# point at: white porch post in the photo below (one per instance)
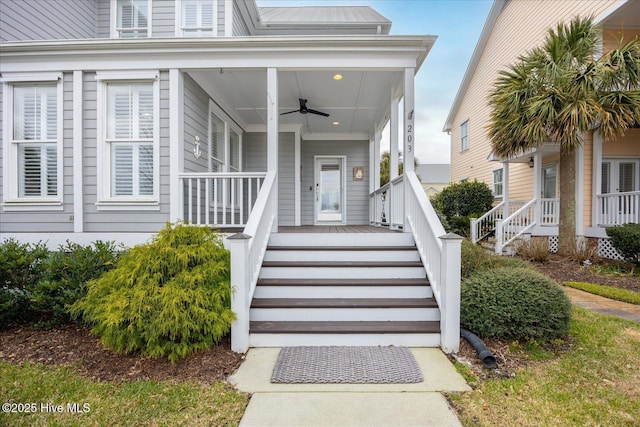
(505, 189)
(393, 139)
(450, 292)
(239, 248)
(597, 178)
(176, 138)
(272, 130)
(537, 186)
(408, 138)
(377, 136)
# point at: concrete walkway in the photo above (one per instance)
(603, 305)
(420, 404)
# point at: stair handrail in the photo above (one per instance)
(481, 224)
(247, 253)
(521, 220)
(440, 255)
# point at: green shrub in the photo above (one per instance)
(533, 249)
(476, 259)
(508, 303)
(626, 239)
(21, 267)
(64, 277)
(169, 297)
(461, 201)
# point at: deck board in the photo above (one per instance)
(343, 327)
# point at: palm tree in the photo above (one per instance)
(559, 93)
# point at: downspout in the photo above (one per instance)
(484, 354)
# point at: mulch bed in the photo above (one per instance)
(73, 345)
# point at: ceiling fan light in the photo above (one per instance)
(336, 123)
(337, 77)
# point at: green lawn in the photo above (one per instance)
(139, 403)
(597, 383)
(618, 294)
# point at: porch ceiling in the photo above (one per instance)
(358, 101)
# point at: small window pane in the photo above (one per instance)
(217, 141)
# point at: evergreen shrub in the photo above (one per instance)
(476, 259)
(626, 239)
(518, 303)
(460, 201)
(169, 297)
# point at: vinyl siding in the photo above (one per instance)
(512, 35)
(357, 154)
(51, 221)
(196, 123)
(104, 18)
(163, 15)
(239, 26)
(255, 160)
(220, 18)
(1, 147)
(47, 19)
(130, 220)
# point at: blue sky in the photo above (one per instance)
(458, 24)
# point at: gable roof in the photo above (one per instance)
(496, 9)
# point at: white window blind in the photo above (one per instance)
(35, 133)
(132, 20)
(130, 139)
(198, 17)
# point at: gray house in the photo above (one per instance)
(119, 116)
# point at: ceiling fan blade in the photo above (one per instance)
(290, 112)
(319, 113)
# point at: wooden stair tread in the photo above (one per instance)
(390, 327)
(343, 282)
(368, 264)
(343, 303)
(341, 248)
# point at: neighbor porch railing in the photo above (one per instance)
(549, 212)
(440, 254)
(220, 199)
(386, 204)
(515, 225)
(247, 253)
(486, 224)
(618, 208)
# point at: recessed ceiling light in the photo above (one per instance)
(337, 77)
(336, 123)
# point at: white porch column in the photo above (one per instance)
(377, 136)
(409, 131)
(537, 186)
(393, 139)
(272, 130)
(505, 189)
(597, 177)
(78, 172)
(176, 140)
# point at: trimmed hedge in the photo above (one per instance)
(626, 239)
(168, 297)
(476, 259)
(518, 303)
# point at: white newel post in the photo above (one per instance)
(498, 246)
(474, 230)
(450, 292)
(272, 130)
(408, 133)
(239, 248)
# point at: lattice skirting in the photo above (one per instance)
(553, 244)
(606, 250)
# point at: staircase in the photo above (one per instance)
(343, 289)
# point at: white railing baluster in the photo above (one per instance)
(207, 206)
(190, 217)
(618, 208)
(515, 225)
(198, 201)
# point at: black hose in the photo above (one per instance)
(484, 354)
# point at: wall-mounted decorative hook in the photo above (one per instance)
(196, 149)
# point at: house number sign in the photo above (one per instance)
(409, 134)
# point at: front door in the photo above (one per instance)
(329, 186)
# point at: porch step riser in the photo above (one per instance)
(341, 239)
(345, 314)
(342, 272)
(291, 340)
(342, 256)
(343, 292)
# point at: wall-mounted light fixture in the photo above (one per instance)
(531, 162)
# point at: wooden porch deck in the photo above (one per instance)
(335, 229)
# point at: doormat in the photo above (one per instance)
(346, 365)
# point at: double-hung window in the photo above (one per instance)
(131, 18)
(464, 136)
(498, 180)
(33, 143)
(217, 144)
(198, 18)
(128, 157)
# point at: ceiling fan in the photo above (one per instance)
(304, 110)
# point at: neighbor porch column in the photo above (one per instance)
(537, 187)
(597, 178)
(377, 136)
(505, 189)
(176, 144)
(272, 130)
(408, 151)
(393, 139)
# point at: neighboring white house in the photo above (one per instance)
(119, 116)
(434, 177)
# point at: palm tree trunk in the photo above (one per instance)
(567, 220)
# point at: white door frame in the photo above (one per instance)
(342, 161)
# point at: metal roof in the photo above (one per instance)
(318, 15)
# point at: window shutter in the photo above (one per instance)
(126, 16)
(145, 112)
(51, 169)
(627, 176)
(119, 113)
(190, 14)
(122, 170)
(606, 178)
(207, 14)
(145, 168)
(31, 173)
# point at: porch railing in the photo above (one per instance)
(515, 225)
(549, 212)
(618, 208)
(386, 204)
(220, 199)
(440, 254)
(486, 224)
(247, 253)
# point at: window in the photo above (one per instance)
(620, 175)
(198, 18)
(234, 152)
(464, 136)
(498, 175)
(33, 142)
(132, 18)
(217, 143)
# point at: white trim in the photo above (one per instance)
(6, 136)
(228, 18)
(54, 240)
(127, 206)
(128, 75)
(579, 213)
(21, 206)
(176, 145)
(343, 187)
(599, 232)
(78, 130)
(30, 77)
(322, 136)
(297, 179)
